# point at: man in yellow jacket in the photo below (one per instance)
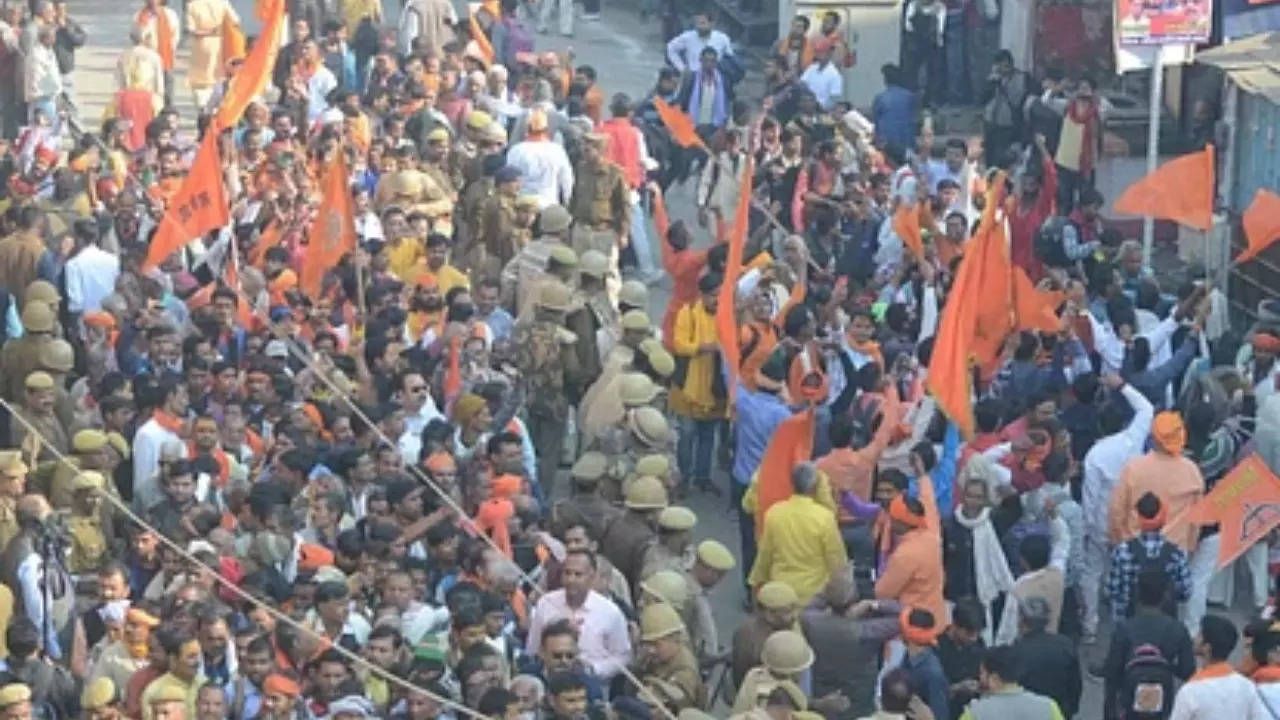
(699, 396)
(800, 544)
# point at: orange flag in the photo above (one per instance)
(269, 238)
(1033, 308)
(332, 233)
(253, 75)
(906, 225)
(477, 33)
(199, 205)
(244, 311)
(1261, 224)
(679, 124)
(949, 378)
(791, 444)
(164, 35)
(1246, 503)
(1180, 190)
(726, 315)
(233, 42)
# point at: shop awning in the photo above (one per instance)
(1253, 63)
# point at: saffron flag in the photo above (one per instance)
(906, 225)
(198, 206)
(1261, 224)
(1033, 308)
(477, 33)
(1180, 190)
(332, 233)
(969, 304)
(164, 33)
(267, 239)
(233, 42)
(231, 274)
(726, 315)
(791, 444)
(253, 75)
(1245, 504)
(679, 124)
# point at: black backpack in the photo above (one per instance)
(1157, 563)
(1146, 689)
(1048, 243)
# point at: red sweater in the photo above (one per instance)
(623, 149)
(1025, 221)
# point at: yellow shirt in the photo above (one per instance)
(403, 259)
(800, 546)
(451, 277)
(353, 11)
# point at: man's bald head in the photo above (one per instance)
(32, 508)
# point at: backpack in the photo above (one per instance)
(1048, 243)
(1146, 688)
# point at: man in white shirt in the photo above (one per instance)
(684, 49)
(419, 410)
(1102, 465)
(162, 428)
(43, 79)
(1217, 690)
(823, 78)
(602, 630)
(543, 165)
(91, 273)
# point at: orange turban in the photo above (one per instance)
(492, 518)
(898, 510)
(504, 486)
(312, 557)
(277, 684)
(1266, 342)
(1169, 433)
(141, 617)
(104, 320)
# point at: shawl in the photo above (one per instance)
(719, 105)
(990, 568)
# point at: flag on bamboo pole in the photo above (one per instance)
(1261, 224)
(726, 315)
(198, 206)
(906, 225)
(254, 74)
(1180, 190)
(332, 233)
(1033, 308)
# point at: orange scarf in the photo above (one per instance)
(1209, 672)
(870, 349)
(220, 457)
(164, 35)
(492, 518)
(168, 421)
(1266, 674)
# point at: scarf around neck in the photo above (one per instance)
(990, 568)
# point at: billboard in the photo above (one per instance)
(1161, 22)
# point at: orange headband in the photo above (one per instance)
(899, 511)
(1168, 432)
(312, 557)
(141, 617)
(277, 684)
(911, 633)
(441, 462)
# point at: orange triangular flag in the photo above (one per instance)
(267, 239)
(199, 206)
(1033, 308)
(679, 124)
(332, 233)
(726, 315)
(1261, 224)
(791, 444)
(1180, 190)
(252, 77)
(906, 225)
(1246, 503)
(949, 377)
(233, 41)
(477, 32)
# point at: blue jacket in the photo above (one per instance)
(894, 113)
(759, 414)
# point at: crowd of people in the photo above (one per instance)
(446, 472)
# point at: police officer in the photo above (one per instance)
(525, 271)
(597, 322)
(667, 657)
(494, 242)
(608, 413)
(601, 204)
(629, 535)
(19, 357)
(651, 435)
(549, 368)
(585, 506)
(672, 549)
(785, 656)
(89, 547)
(98, 701)
(88, 452)
(13, 485)
(441, 195)
(712, 561)
(58, 358)
(37, 409)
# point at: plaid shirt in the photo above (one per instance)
(1123, 576)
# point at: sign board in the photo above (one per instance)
(1162, 22)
